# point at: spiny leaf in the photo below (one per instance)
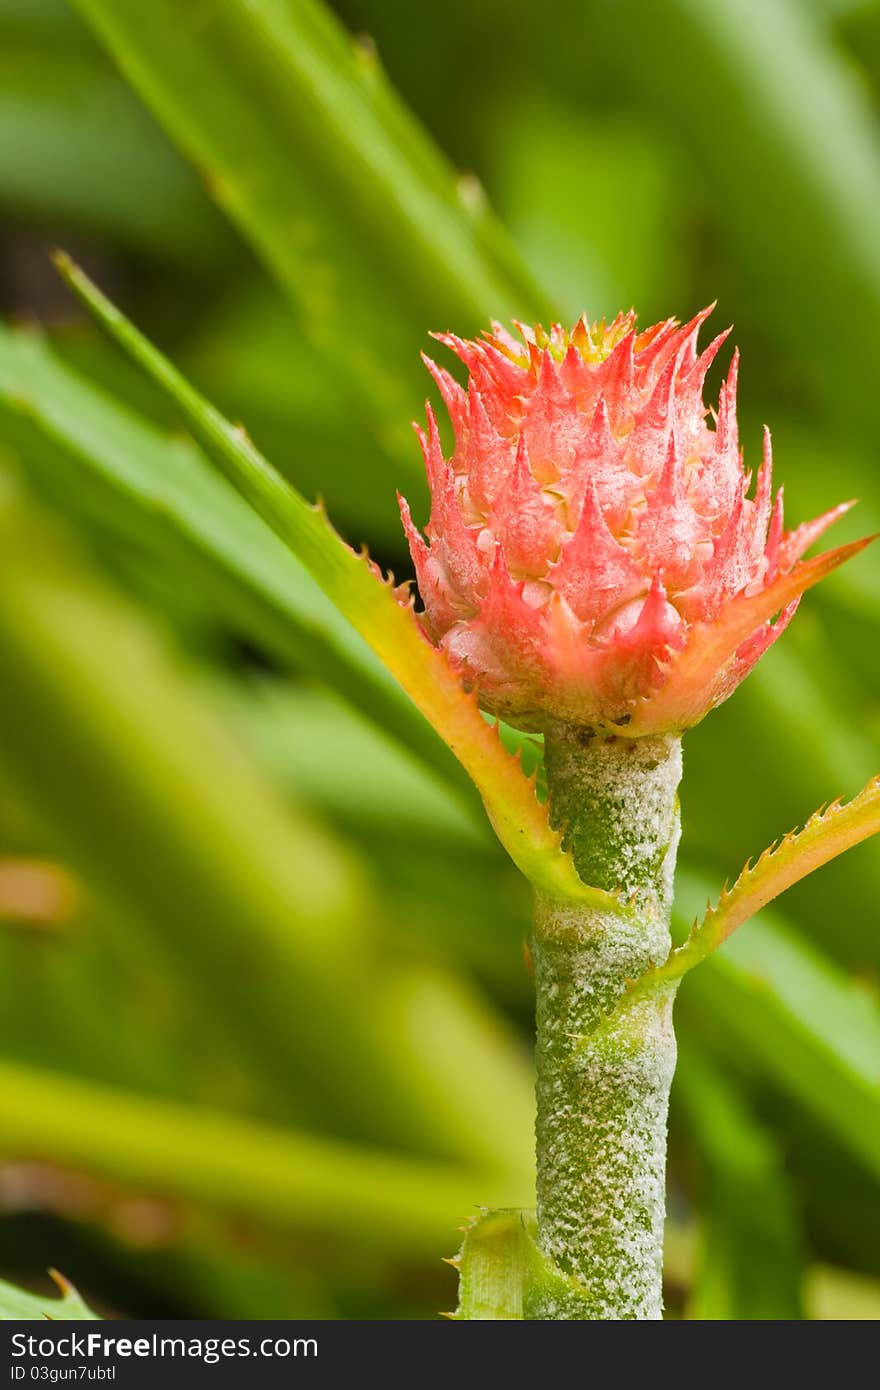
(492, 1265)
(503, 1275)
(18, 1306)
(184, 514)
(381, 613)
(826, 834)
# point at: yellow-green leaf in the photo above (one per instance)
(381, 613)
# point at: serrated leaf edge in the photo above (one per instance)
(830, 831)
(520, 821)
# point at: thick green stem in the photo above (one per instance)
(602, 1100)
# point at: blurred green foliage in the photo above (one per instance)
(278, 1048)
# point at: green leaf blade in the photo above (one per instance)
(263, 915)
(163, 492)
(827, 834)
(750, 1265)
(271, 1174)
(289, 121)
(18, 1306)
(376, 611)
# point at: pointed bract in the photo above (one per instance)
(592, 553)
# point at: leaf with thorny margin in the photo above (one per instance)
(382, 615)
(503, 1276)
(491, 1267)
(18, 1306)
(826, 834)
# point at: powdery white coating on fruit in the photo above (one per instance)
(603, 1097)
(596, 550)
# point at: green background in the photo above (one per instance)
(264, 1016)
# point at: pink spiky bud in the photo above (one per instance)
(593, 555)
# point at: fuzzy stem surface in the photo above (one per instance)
(602, 1100)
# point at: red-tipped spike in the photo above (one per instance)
(454, 398)
(435, 464)
(524, 521)
(549, 383)
(764, 492)
(657, 411)
(774, 538)
(727, 429)
(618, 371)
(723, 573)
(694, 377)
(600, 438)
(594, 571)
(670, 485)
(417, 547)
(798, 541)
(653, 615)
